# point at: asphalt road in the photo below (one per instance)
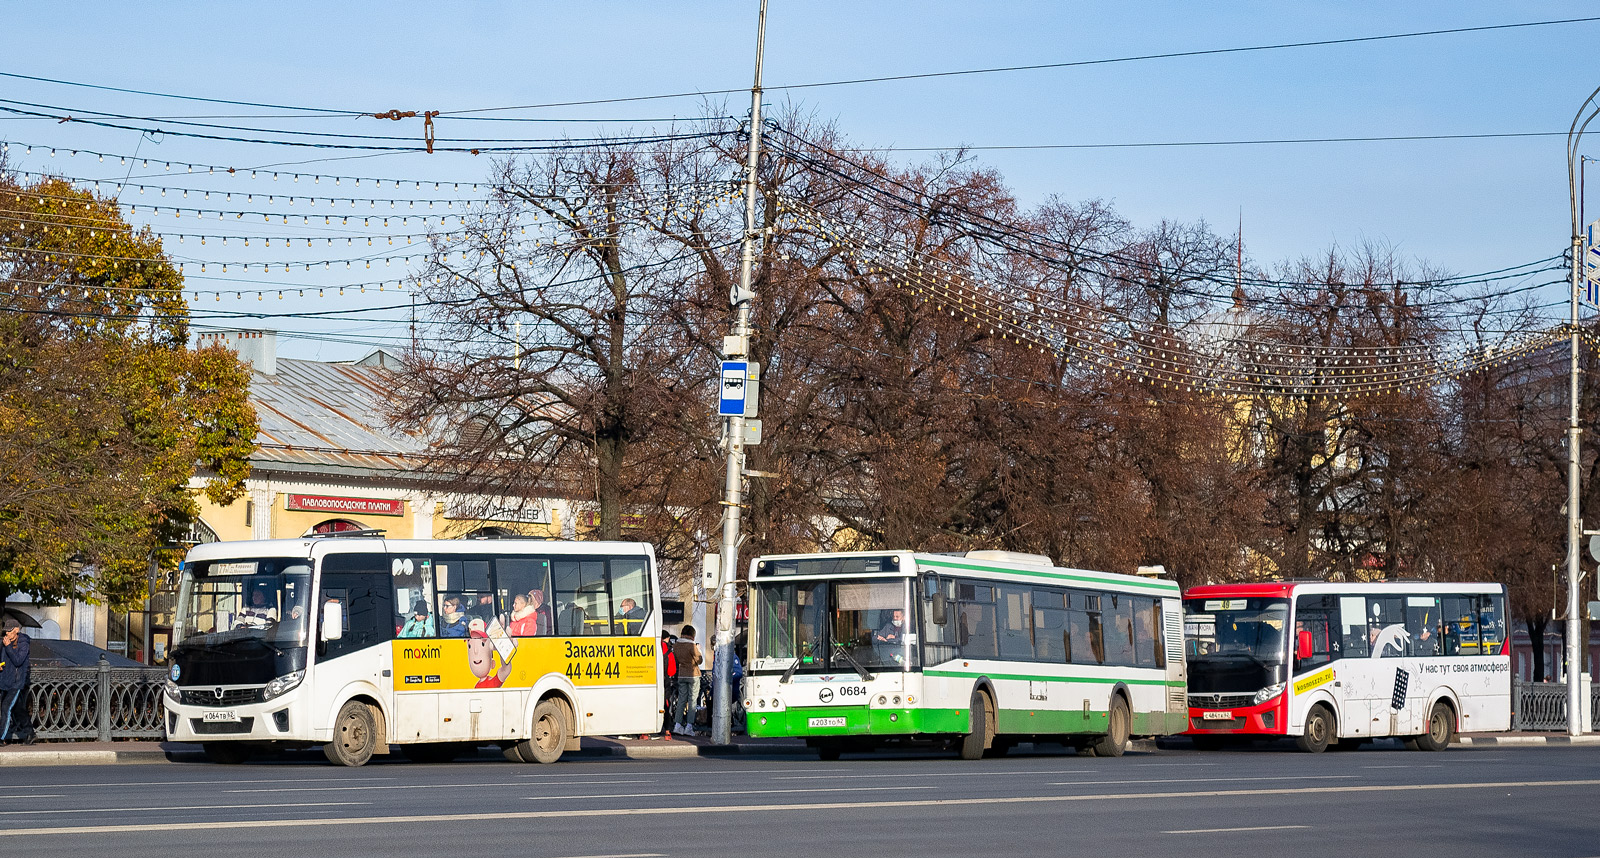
(1373, 802)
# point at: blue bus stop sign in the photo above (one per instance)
(734, 388)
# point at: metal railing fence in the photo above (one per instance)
(99, 703)
(1542, 706)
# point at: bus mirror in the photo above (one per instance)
(940, 610)
(332, 620)
(1302, 646)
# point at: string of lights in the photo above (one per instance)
(188, 168)
(983, 226)
(1224, 366)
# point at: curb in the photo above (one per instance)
(1588, 739)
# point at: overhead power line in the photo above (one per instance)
(349, 112)
(1046, 66)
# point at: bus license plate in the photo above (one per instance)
(1216, 716)
(826, 722)
(226, 715)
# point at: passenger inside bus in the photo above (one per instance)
(420, 623)
(452, 620)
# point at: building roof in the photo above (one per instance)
(331, 418)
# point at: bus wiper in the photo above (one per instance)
(865, 676)
(789, 673)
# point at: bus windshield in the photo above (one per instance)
(861, 626)
(262, 599)
(1249, 629)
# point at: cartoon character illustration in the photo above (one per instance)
(481, 658)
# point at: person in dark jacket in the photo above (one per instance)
(14, 718)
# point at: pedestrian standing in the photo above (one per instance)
(688, 683)
(14, 717)
(669, 680)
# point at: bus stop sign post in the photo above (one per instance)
(741, 297)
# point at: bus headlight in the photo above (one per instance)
(282, 685)
(171, 688)
(1268, 693)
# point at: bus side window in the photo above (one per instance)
(1491, 623)
(1147, 632)
(1422, 624)
(1460, 625)
(1315, 641)
(1097, 638)
(977, 621)
(630, 582)
(1016, 622)
(366, 601)
(1353, 626)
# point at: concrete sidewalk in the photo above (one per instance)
(120, 753)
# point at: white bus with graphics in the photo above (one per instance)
(366, 645)
(980, 650)
(1333, 664)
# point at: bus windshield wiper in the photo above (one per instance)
(788, 674)
(865, 676)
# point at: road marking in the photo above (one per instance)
(1229, 830)
(1402, 767)
(810, 807)
(723, 792)
(1208, 780)
(180, 807)
(33, 795)
(908, 774)
(219, 782)
(629, 855)
(406, 786)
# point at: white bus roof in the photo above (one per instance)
(308, 546)
(1003, 565)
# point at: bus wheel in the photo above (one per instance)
(1319, 730)
(355, 736)
(1441, 730)
(226, 753)
(551, 730)
(1119, 726)
(828, 751)
(982, 736)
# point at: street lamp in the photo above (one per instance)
(1576, 649)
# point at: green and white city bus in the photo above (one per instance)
(981, 650)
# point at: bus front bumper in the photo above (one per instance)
(854, 721)
(1266, 719)
(275, 720)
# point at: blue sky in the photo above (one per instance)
(1464, 205)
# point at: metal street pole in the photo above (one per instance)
(733, 492)
(1575, 647)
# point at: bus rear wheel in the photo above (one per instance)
(355, 735)
(1119, 725)
(982, 736)
(1441, 730)
(1318, 732)
(551, 730)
